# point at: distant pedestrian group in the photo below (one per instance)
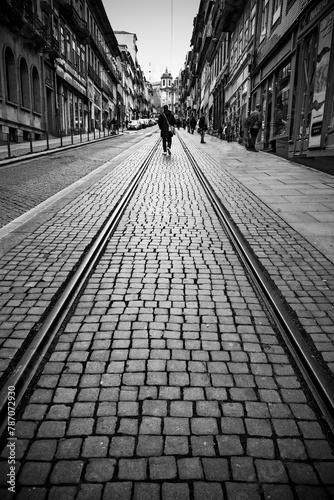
(167, 123)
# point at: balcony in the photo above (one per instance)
(52, 47)
(78, 25)
(98, 47)
(229, 13)
(107, 87)
(46, 6)
(94, 76)
(24, 21)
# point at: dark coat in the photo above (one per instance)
(193, 122)
(202, 123)
(254, 120)
(163, 125)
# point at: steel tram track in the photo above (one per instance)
(29, 362)
(312, 372)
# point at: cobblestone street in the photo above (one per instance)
(169, 381)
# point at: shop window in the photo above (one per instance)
(11, 81)
(321, 87)
(282, 91)
(36, 88)
(24, 84)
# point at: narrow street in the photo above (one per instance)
(168, 379)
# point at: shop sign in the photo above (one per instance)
(320, 80)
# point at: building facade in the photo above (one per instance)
(270, 52)
(62, 71)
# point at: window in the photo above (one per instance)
(240, 47)
(74, 54)
(276, 10)
(62, 41)
(24, 84)
(282, 89)
(55, 28)
(68, 46)
(232, 54)
(246, 31)
(36, 90)
(83, 66)
(11, 82)
(264, 17)
(252, 20)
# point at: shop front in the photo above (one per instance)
(312, 139)
(71, 103)
(272, 90)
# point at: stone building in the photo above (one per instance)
(61, 69)
(274, 53)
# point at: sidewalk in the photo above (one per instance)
(301, 196)
(27, 148)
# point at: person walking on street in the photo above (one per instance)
(252, 125)
(202, 127)
(193, 122)
(166, 119)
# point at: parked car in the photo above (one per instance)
(143, 122)
(134, 125)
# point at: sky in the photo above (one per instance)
(163, 28)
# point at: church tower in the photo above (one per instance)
(166, 89)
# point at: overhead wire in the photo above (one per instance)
(171, 36)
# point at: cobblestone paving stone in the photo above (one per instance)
(304, 276)
(32, 272)
(169, 381)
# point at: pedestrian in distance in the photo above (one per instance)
(165, 122)
(253, 124)
(203, 127)
(193, 123)
(228, 132)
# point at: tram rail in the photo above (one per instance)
(30, 360)
(28, 363)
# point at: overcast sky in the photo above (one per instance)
(163, 38)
